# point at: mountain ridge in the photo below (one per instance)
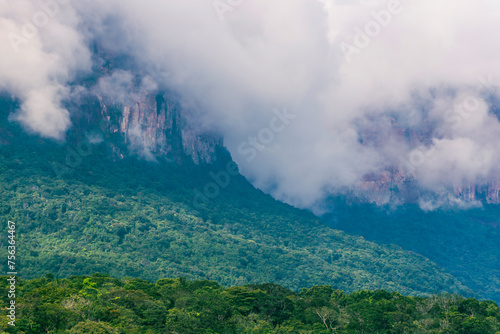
(132, 217)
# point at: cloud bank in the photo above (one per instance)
(371, 87)
(41, 51)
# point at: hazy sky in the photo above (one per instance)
(310, 96)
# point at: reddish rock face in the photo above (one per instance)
(154, 125)
(384, 191)
(400, 184)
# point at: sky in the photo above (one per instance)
(311, 96)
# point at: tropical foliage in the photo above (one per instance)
(100, 304)
(464, 242)
(129, 217)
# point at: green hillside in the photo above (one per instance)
(130, 217)
(104, 305)
(464, 242)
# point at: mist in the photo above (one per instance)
(311, 97)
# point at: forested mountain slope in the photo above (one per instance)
(130, 217)
(466, 242)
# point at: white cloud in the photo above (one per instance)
(269, 54)
(40, 51)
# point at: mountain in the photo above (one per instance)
(145, 123)
(402, 184)
(173, 206)
(464, 242)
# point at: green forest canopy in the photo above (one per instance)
(101, 304)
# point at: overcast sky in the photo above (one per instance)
(310, 96)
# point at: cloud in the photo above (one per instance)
(418, 84)
(123, 87)
(41, 52)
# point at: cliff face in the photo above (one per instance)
(396, 189)
(399, 185)
(150, 124)
(153, 125)
(137, 118)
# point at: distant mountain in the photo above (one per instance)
(174, 206)
(400, 187)
(146, 123)
(464, 242)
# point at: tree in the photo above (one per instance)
(92, 327)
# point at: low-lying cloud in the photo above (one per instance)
(41, 52)
(376, 87)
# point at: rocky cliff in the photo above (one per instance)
(397, 184)
(136, 117)
(392, 188)
(154, 125)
